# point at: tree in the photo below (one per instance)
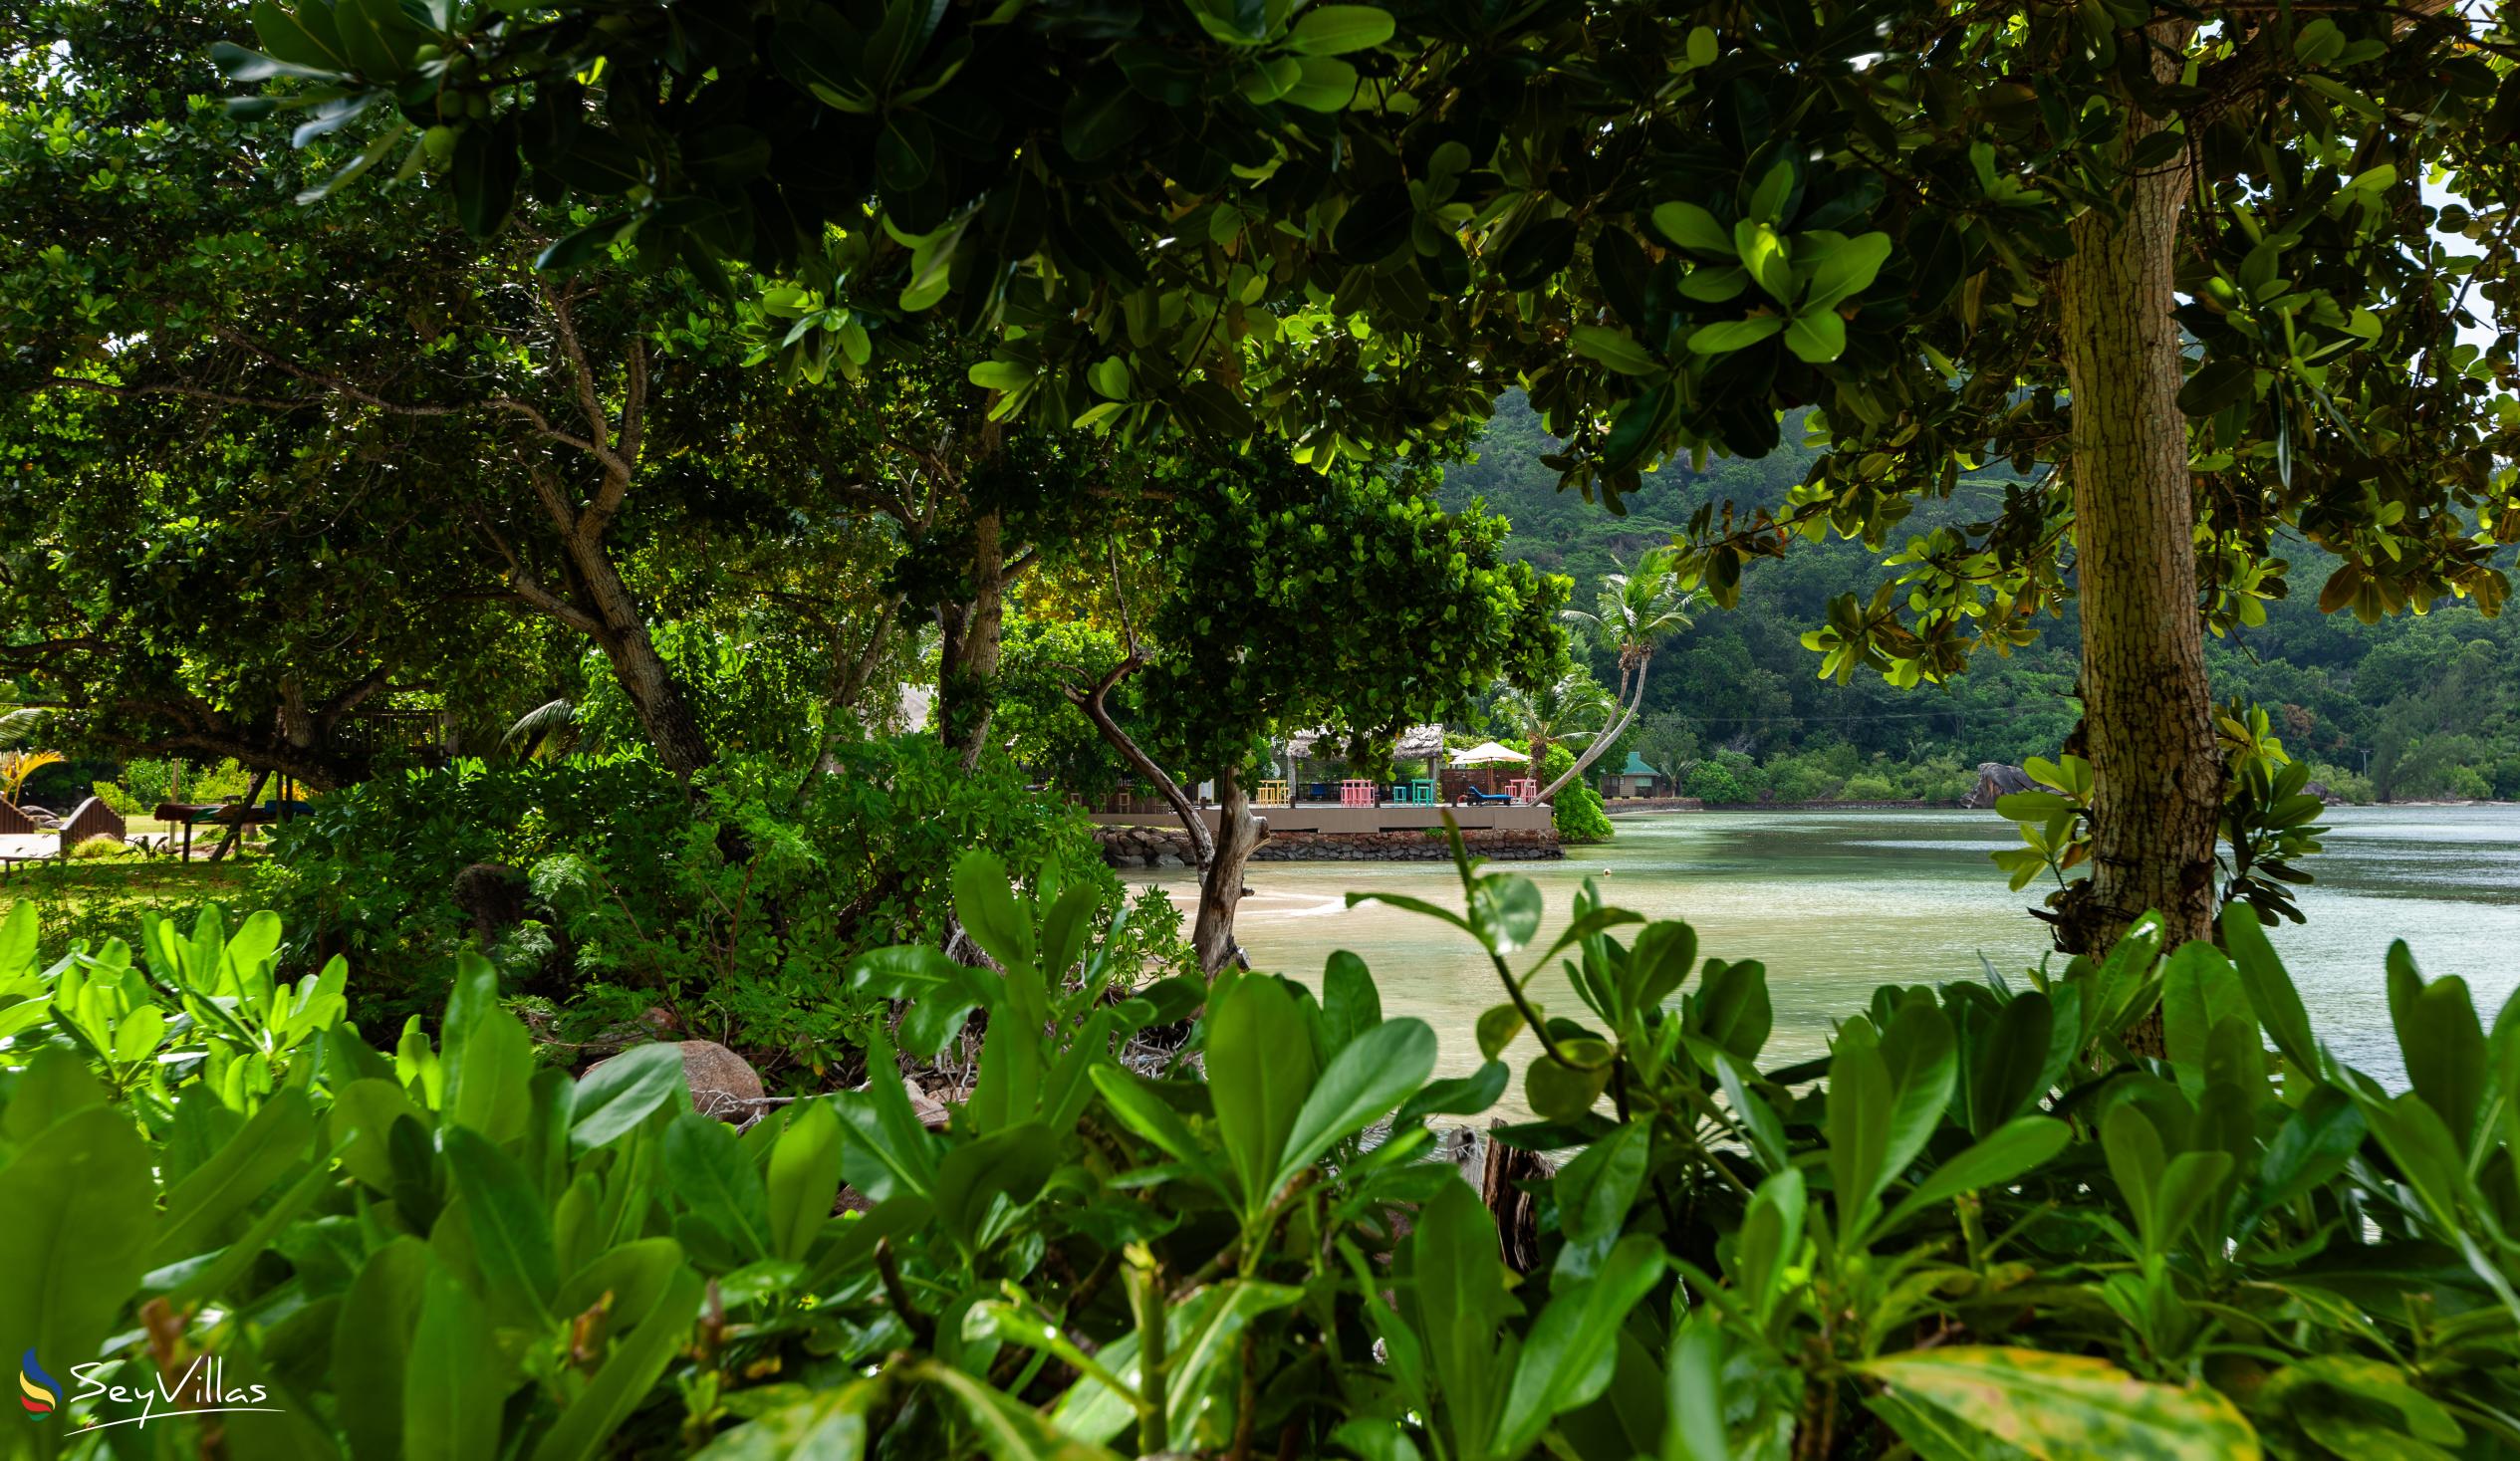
(1569, 710)
(279, 467)
(2182, 256)
(1293, 600)
(1633, 614)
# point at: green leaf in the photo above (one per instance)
(77, 1217)
(511, 1230)
(1564, 1092)
(2065, 1407)
(1595, 1190)
(278, 1138)
(636, 1363)
(1568, 1358)
(710, 1173)
(804, 1178)
(1373, 1074)
(2020, 1145)
(1858, 1122)
(939, 993)
(1847, 271)
(1001, 375)
(1259, 1071)
(1614, 347)
(1817, 336)
(1142, 1110)
(1506, 910)
(1463, 1096)
(2445, 1051)
(989, 909)
(369, 1108)
(2200, 989)
(1726, 335)
(372, 1346)
(1335, 30)
(1693, 227)
(454, 1380)
(983, 1183)
(1462, 1305)
(17, 941)
(1322, 84)
(621, 1092)
(2311, 1148)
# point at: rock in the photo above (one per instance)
(1995, 779)
(930, 1112)
(723, 1083)
(2323, 792)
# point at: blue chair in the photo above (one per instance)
(1473, 797)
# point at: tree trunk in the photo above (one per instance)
(621, 632)
(1220, 886)
(2147, 710)
(1617, 728)
(1096, 709)
(966, 675)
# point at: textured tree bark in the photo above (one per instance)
(621, 632)
(966, 675)
(1220, 886)
(1097, 708)
(2147, 710)
(1610, 733)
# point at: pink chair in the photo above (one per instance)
(1524, 790)
(1355, 794)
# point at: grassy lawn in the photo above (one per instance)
(96, 898)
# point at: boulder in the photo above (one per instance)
(1995, 779)
(723, 1083)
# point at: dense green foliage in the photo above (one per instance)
(2426, 706)
(602, 889)
(1980, 1226)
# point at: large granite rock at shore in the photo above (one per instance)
(1995, 779)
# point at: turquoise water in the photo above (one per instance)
(1836, 902)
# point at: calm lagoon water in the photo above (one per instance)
(1835, 902)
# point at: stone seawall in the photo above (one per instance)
(1405, 846)
(1154, 847)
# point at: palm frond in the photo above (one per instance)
(17, 725)
(546, 731)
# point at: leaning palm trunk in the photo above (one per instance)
(1602, 742)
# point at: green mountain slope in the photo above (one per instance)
(2420, 705)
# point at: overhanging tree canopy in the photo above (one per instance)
(2053, 233)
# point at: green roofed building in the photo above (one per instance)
(1635, 778)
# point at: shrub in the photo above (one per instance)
(2468, 784)
(599, 882)
(1939, 778)
(100, 848)
(1576, 811)
(1982, 1224)
(119, 800)
(1793, 779)
(2353, 786)
(1727, 776)
(1868, 786)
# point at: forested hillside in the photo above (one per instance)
(2409, 707)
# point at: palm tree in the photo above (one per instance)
(1636, 611)
(1569, 711)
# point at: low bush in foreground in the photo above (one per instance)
(605, 887)
(1981, 1226)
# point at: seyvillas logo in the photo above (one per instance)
(202, 1389)
(39, 1392)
